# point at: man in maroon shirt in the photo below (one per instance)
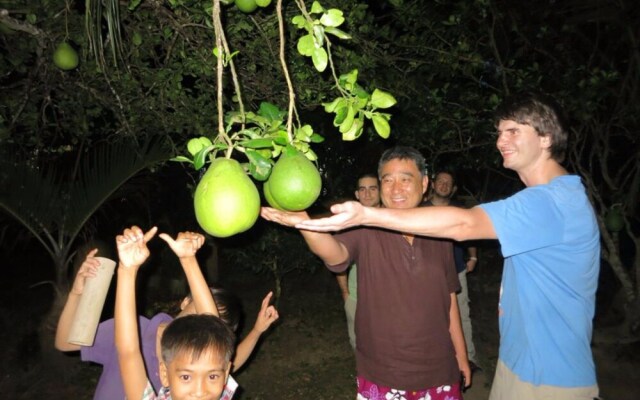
(410, 339)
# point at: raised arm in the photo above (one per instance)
(266, 316)
(185, 246)
(87, 270)
(325, 246)
(132, 252)
(444, 221)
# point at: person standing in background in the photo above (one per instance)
(368, 194)
(443, 190)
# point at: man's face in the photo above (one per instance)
(402, 185)
(368, 192)
(521, 147)
(443, 185)
(201, 378)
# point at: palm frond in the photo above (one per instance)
(95, 12)
(103, 173)
(55, 209)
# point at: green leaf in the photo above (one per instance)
(299, 21)
(306, 45)
(380, 99)
(281, 140)
(333, 18)
(182, 159)
(259, 166)
(346, 125)
(200, 158)
(133, 4)
(270, 111)
(318, 34)
(304, 133)
(355, 131)
(341, 114)
(349, 79)
(335, 104)
(337, 32)
(315, 138)
(311, 155)
(289, 150)
(257, 143)
(381, 125)
(320, 59)
(316, 8)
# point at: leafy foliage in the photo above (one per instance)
(448, 64)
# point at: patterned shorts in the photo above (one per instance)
(370, 391)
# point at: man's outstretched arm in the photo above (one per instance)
(444, 222)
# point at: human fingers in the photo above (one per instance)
(272, 314)
(265, 301)
(92, 252)
(167, 238)
(149, 234)
(328, 224)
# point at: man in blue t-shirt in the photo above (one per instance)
(550, 240)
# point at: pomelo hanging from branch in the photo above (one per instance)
(274, 145)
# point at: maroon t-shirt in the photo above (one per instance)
(402, 314)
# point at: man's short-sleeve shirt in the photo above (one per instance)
(551, 243)
(402, 316)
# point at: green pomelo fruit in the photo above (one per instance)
(267, 195)
(226, 199)
(65, 57)
(246, 6)
(263, 3)
(294, 183)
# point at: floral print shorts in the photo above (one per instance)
(370, 391)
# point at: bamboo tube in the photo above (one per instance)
(85, 322)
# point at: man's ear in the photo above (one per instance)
(357, 194)
(164, 374)
(545, 141)
(454, 189)
(425, 184)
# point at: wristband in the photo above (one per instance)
(473, 258)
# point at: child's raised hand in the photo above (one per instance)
(186, 244)
(267, 315)
(132, 246)
(88, 269)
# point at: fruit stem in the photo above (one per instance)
(224, 55)
(285, 72)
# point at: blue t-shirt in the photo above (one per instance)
(551, 244)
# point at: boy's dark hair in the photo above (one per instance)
(403, 153)
(541, 113)
(229, 306)
(197, 334)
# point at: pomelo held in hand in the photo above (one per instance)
(294, 184)
(226, 199)
(65, 57)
